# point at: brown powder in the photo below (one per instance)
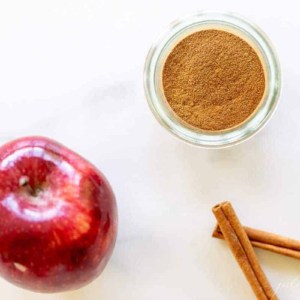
(213, 80)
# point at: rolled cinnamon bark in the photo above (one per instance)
(268, 241)
(241, 247)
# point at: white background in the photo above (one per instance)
(72, 70)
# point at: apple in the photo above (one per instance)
(58, 216)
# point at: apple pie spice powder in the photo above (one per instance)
(213, 80)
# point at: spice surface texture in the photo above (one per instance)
(213, 80)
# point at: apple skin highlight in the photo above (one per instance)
(58, 217)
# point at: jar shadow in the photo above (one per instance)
(233, 172)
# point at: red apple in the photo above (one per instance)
(58, 216)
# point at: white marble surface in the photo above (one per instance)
(72, 70)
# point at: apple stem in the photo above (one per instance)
(24, 183)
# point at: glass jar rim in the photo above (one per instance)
(214, 139)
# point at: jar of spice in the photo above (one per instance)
(212, 79)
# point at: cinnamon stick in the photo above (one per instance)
(241, 247)
(268, 241)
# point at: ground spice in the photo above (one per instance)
(213, 80)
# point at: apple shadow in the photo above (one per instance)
(73, 295)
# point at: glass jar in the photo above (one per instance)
(177, 31)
